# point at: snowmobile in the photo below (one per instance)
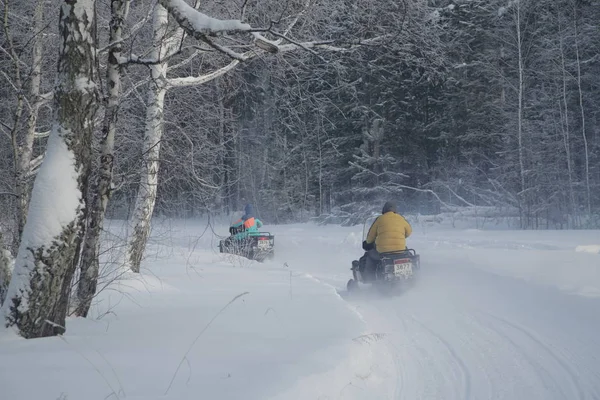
(393, 271)
(257, 246)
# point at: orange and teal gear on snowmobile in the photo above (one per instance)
(247, 225)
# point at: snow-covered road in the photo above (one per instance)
(467, 332)
(494, 315)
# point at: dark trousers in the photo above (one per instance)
(368, 263)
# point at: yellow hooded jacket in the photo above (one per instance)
(389, 232)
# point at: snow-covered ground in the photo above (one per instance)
(495, 315)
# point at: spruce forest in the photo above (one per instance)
(442, 105)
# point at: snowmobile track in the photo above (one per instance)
(452, 351)
(539, 343)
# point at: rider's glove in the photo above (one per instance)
(367, 246)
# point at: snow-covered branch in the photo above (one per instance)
(186, 61)
(34, 165)
(203, 28)
(291, 26)
(200, 25)
(373, 173)
(223, 49)
(41, 135)
(198, 80)
(135, 59)
(445, 186)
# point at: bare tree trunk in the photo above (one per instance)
(23, 166)
(221, 179)
(102, 192)
(306, 180)
(523, 194)
(567, 130)
(18, 113)
(585, 142)
(146, 196)
(377, 134)
(321, 200)
(36, 299)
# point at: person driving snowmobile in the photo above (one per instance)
(246, 225)
(387, 234)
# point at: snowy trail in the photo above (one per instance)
(465, 333)
(494, 315)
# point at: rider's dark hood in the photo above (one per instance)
(248, 212)
(389, 206)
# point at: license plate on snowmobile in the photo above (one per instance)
(263, 244)
(403, 269)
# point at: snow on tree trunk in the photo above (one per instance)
(88, 279)
(146, 195)
(23, 165)
(38, 292)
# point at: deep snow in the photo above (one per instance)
(495, 314)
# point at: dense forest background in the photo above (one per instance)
(488, 105)
(308, 109)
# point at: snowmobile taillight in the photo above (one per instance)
(263, 238)
(402, 261)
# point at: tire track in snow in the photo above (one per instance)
(426, 367)
(400, 378)
(502, 361)
(537, 368)
(570, 372)
(463, 366)
(414, 364)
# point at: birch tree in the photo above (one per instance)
(23, 46)
(586, 151)
(38, 294)
(17, 85)
(162, 45)
(102, 189)
(518, 25)
(25, 164)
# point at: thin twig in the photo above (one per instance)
(198, 337)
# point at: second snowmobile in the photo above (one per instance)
(257, 246)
